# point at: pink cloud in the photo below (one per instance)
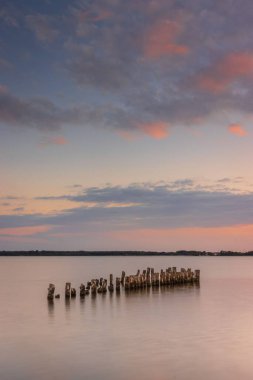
(237, 129)
(24, 231)
(232, 67)
(53, 140)
(161, 38)
(158, 130)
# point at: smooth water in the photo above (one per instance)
(178, 333)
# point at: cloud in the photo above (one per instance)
(160, 40)
(38, 113)
(237, 129)
(43, 114)
(53, 140)
(223, 73)
(138, 64)
(109, 212)
(18, 209)
(24, 231)
(177, 204)
(109, 73)
(157, 130)
(42, 26)
(82, 17)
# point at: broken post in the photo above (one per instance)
(50, 294)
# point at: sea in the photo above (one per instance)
(181, 332)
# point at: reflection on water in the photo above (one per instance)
(67, 304)
(172, 332)
(50, 306)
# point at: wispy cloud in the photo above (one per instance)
(159, 208)
(237, 129)
(53, 140)
(24, 231)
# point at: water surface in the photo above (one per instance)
(169, 333)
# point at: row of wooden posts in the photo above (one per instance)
(148, 278)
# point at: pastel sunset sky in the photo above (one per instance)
(126, 125)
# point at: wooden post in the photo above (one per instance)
(104, 286)
(93, 287)
(67, 289)
(111, 287)
(118, 284)
(123, 275)
(82, 290)
(50, 294)
(127, 282)
(73, 293)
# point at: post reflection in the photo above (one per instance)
(50, 307)
(67, 305)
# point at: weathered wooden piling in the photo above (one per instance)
(67, 289)
(50, 294)
(148, 278)
(141, 280)
(93, 288)
(111, 287)
(82, 290)
(118, 284)
(123, 275)
(104, 286)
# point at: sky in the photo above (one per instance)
(126, 125)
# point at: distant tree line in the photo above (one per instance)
(123, 253)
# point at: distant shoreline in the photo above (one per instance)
(122, 253)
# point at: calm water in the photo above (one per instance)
(181, 333)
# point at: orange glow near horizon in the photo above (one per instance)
(239, 237)
(199, 238)
(24, 231)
